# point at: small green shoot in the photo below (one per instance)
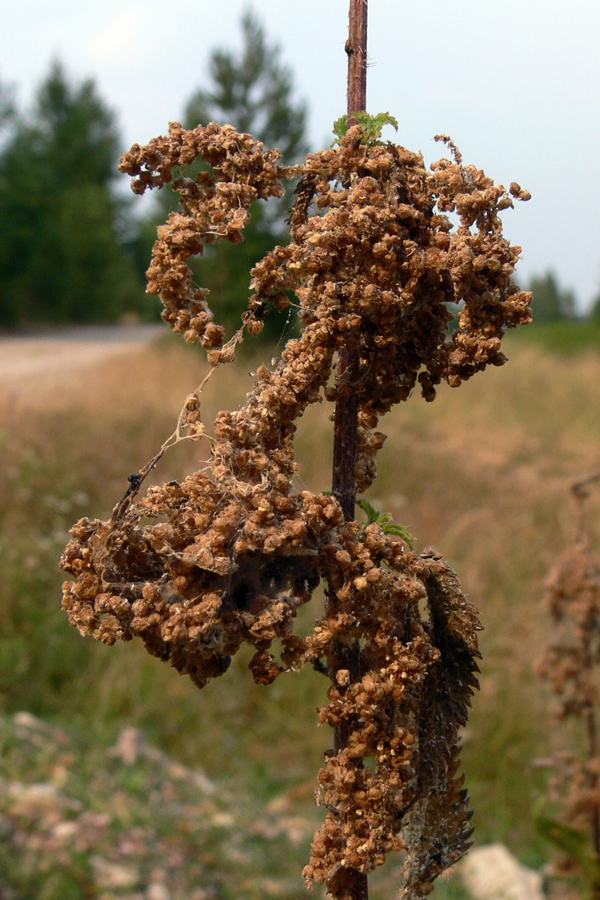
(384, 520)
(372, 126)
(575, 845)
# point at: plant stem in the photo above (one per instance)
(345, 440)
(356, 48)
(346, 410)
(590, 720)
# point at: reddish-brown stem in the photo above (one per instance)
(356, 48)
(589, 715)
(580, 490)
(592, 753)
(592, 740)
(345, 441)
(346, 409)
(345, 434)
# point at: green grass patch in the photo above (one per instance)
(567, 337)
(481, 475)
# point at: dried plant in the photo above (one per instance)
(227, 556)
(571, 667)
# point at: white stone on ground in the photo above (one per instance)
(493, 873)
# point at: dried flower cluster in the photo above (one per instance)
(571, 667)
(197, 568)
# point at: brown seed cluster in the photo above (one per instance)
(226, 556)
(214, 206)
(404, 715)
(573, 598)
(571, 667)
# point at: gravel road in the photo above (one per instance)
(52, 355)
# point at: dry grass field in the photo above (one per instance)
(482, 475)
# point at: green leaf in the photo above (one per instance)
(384, 520)
(567, 839)
(372, 126)
(573, 843)
(402, 531)
(372, 514)
(340, 127)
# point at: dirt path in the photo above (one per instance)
(62, 356)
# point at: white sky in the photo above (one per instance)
(515, 83)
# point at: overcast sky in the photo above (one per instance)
(515, 83)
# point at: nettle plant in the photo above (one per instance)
(571, 668)
(225, 557)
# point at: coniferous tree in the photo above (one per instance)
(550, 302)
(253, 91)
(62, 257)
(594, 310)
(7, 109)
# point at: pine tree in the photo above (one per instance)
(550, 302)
(7, 109)
(62, 258)
(253, 91)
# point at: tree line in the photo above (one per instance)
(72, 248)
(66, 251)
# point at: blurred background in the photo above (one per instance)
(117, 777)
(516, 85)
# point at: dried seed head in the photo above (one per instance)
(226, 557)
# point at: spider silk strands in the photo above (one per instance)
(225, 557)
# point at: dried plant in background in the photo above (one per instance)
(226, 557)
(571, 667)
